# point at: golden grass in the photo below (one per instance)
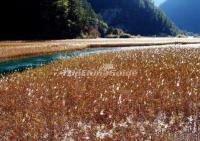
(21, 48)
(16, 44)
(13, 52)
(160, 102)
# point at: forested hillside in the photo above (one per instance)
(134, 16)
(45, 19)
(185, 13)
(36, 19)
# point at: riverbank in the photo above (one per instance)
(13, 49)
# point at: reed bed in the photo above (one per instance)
(14, 49)
(159, 101)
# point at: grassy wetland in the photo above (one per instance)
(14, 49)
(159, 100)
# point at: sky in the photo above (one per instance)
(158, 2)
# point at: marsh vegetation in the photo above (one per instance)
(160, 101)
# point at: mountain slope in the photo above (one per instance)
(134, 16)
(185, 13)
(38, 19)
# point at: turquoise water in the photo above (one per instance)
(38, 61)
(18, 65)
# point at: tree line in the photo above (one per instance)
(41, 19)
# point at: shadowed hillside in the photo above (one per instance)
(134, 16)
(185, 13)
(50, 19)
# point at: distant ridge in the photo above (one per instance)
(184, 13)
